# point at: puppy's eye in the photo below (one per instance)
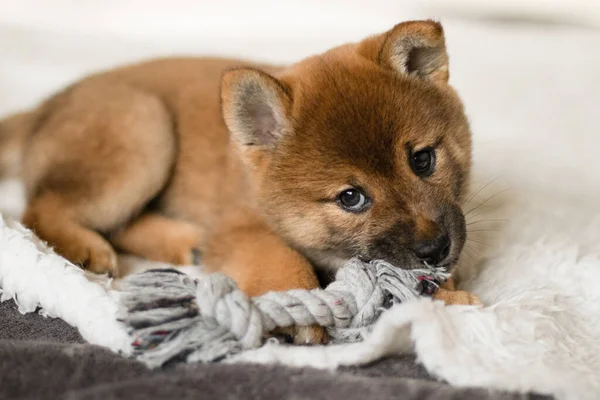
(422, 162)
(353, 200)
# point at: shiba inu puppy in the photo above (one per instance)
(268, 174)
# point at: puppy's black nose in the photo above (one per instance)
(434, 251)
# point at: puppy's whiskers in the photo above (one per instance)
(486, 220)
(480, 242)
(485, 201)
(472, 195)
(483, 230)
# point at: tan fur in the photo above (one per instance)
(13, 132)
(170, 157)
(449, 295)
(159, 238)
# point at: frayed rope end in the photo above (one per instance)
(174, 318)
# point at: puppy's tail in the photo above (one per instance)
(13, 133)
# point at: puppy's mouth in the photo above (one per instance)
(326, 266)
(403, 260)
(446, 266)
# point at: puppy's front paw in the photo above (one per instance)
(451, 297)
(92, 253)
(312, 334)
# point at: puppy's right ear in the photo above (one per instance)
(415, 48)
(256, 107)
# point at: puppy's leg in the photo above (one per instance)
(53, 221)
(160, 238)
(97, 156)
(259, 261)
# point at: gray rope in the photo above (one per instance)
(172, 317)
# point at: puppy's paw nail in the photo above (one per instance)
(100, 259)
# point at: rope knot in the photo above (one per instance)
(172, 317)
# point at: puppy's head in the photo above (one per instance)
(362, 151)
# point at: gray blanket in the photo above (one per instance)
(47, 359)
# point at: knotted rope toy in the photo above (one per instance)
(174, 318)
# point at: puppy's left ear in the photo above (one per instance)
(414, 48)
(256, 107)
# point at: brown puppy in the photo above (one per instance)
(266, 172)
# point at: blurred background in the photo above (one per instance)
(528, 70)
